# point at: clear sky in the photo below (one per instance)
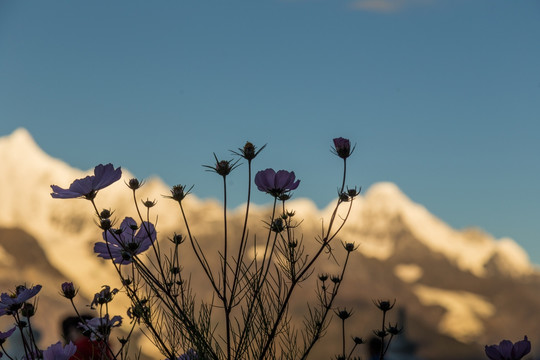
(440, 96)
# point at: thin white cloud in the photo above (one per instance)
(387, 6)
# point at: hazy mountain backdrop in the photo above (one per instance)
(460, 289)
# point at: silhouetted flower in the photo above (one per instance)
(104, 296)
(68, 290)
(5, 335)
(384, 305)
(394, 329)
(343, 314)
(104, 175)
(28, 310)
(14, 301)
(58, 352)
(189, 355)
(123, 243)
(276, 184)
(508, 351)
(178, 192)
(249, 151)
(100, 328)
(342, 147)
(134, 184)
(222, 167)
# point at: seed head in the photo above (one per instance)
(134, 184)
(384, 305)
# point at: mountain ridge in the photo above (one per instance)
(402, 246)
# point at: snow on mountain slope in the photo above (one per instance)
(385, 201)
(66, 229)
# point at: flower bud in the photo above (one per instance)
(134, 184)
(148, 203)
(105, 214)
(277, 225)
(249, 151)
(68, 290)
(342, 147)
(178, 192)
(384, 305)
(28, 310)
(105, 224)
(349, 247)
(394, 329)
(177, 239)
(343, 314)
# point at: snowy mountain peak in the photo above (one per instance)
(26, 173)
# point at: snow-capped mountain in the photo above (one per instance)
(447, 279)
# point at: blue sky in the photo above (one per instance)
(440, 96)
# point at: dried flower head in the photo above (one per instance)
(105, 214)
(394, 329)
(277, 225)
(149, 203)
(349, 247)
(134, 184)
(178, 192)
(384, 305)
(177, 239)
(222, 167)
(343, 314)
(249, 151)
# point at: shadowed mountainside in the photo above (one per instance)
(460, 289)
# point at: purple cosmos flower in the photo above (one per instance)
(508, 351)
(13, 302)
(100, 328)
(124, 243)
(276, 184)
(104, 175)
(342, 147)
(188, 355)
(58, 352)
(5, 335)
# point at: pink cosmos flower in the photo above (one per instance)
(104, 175)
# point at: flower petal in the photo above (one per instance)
(105, 175)
(493, 353)
(521, 348)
